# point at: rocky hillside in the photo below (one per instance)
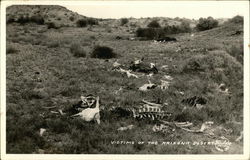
(59, 15)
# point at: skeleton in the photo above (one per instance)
(90, 114)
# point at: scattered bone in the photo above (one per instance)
(181, 93)
(119, 90)
(129, 127)
(206, 125)
(131, 74)
(49, 107)
(88, 100)
(240, 137)
(128, 72)
(199, 106)
(147, 87)
(150, 75)
(116, 64)
(164, 85)
(163, 128)
(151, 104)
(54, 112)
(168, 77)
(183, 124)
(90, 114)
(42, 130)
(164, 67)
(61, 112)
(222, 144)
(222, 88)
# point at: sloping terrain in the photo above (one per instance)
(49, 13)
(43, 76)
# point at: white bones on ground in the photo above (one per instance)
(90, 114)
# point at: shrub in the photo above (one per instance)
(150, 33)
(38, 19)
(184, 27)
(53, 44)
(237, 20)
(92, 21)
(154, 24)
(103, 52)
(214, 60)
(71, 18)
(206, 24)
(77, 50)
(22, 19)
(81, 23)
(124, 21)
(10, 49)
(236, 51)
(10, 19)
(52, 25)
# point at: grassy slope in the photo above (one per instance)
(63, 78)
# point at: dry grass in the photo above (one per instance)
(63, 78)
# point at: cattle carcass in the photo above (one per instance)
(139, 66)
(90, 114)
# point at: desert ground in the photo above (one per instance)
(50, 68)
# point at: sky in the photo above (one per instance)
(172, 9)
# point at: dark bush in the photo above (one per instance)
(38, 19)
(53, 44)
(103, 52)
(51, 25)
(77, 50)
(71, 18)
(11, 49)
(10, 19)
(184, 27)
(92, 21)
(81, 23)
(150, 33)
(22, 19)
(237, 20)
(154, 24)
(206, 23)
(124, 21)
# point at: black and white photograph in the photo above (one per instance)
(125, 78)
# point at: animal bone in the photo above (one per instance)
(240, 137)
(90, 114)
(42, 130)
(170, 78)
(131, 74)
(146, 87)
(164, 85)
(116, 64)
(125, 128)
(152, 104)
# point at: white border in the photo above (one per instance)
(4, 156)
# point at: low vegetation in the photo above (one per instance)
(77, 50)
(237, 19)
(103, 52)
(124, 21)
(85, 22)
(22, 19)
(207, 23)
(154, 24)
(48, 74)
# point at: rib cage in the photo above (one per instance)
(145, 112)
